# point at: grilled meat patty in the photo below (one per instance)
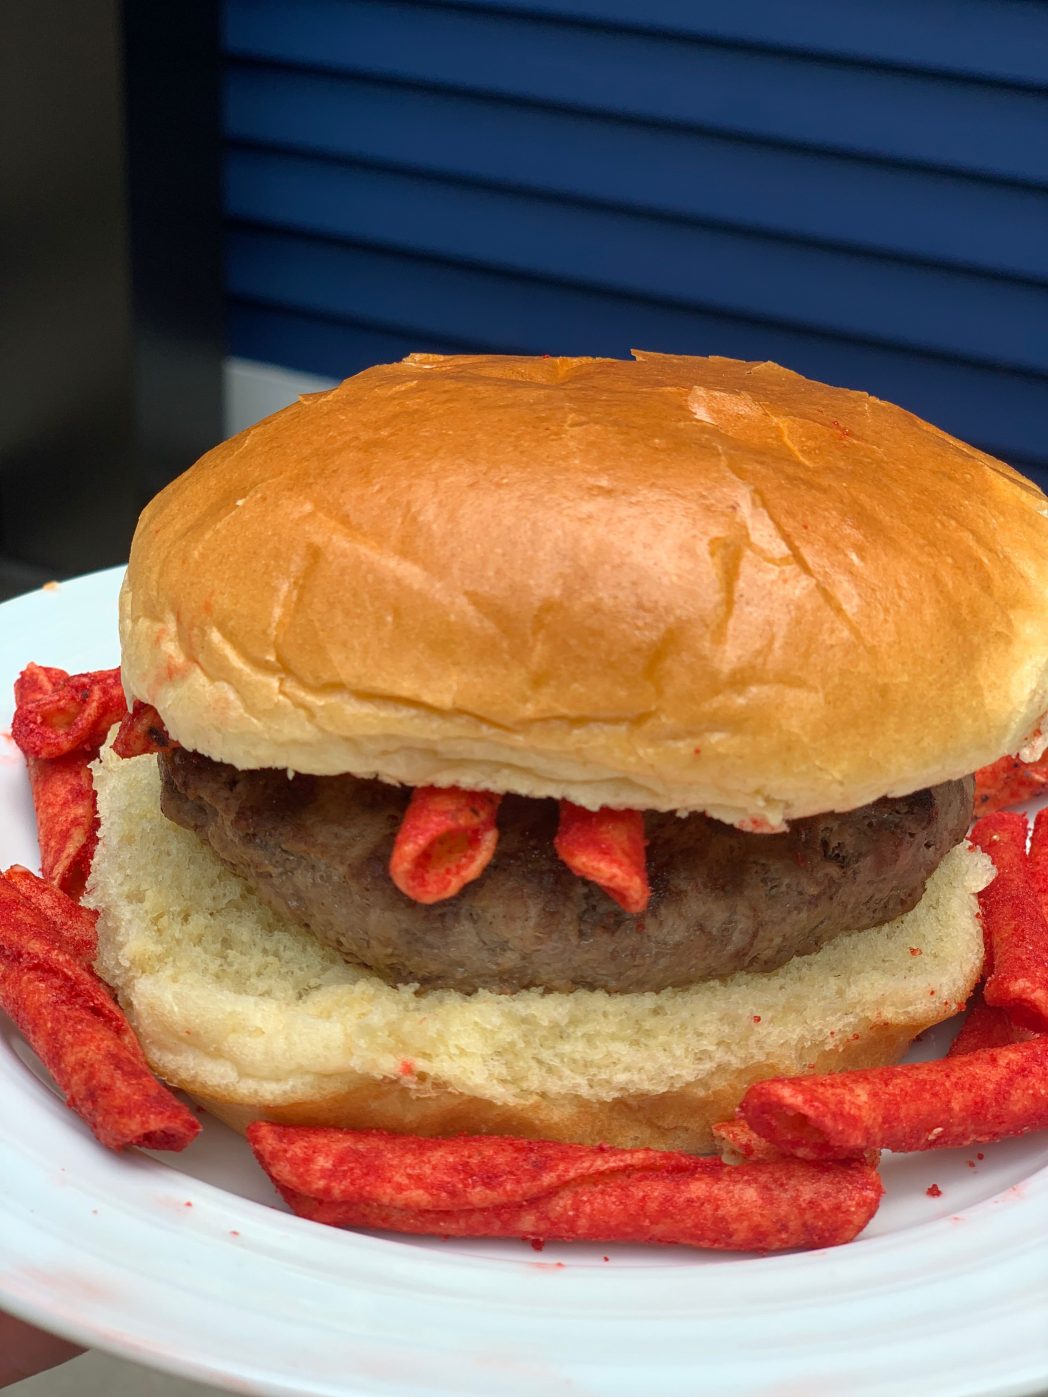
(316, 849)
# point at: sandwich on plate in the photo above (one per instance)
(554, 747)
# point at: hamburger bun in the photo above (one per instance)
(670, 584)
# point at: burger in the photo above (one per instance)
(554, 747)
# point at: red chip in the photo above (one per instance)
(73, 925)
(66, 819)
(36, 681)
(485, 1186)
(141, 732)
(738, 1140)
(446, 839)
(74, 713)
(1014, 926)
(967, 1099)
(1037, 859)
(1009, 781)
(67, 1016)
(985, 1026)
(606, 847)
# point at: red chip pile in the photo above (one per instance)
(992, 1084)
(59, 724)
(48, 941)
(57, 713)
(448, 836)
(66, 1015)
(809, 1146)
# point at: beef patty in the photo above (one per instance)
(317, 849)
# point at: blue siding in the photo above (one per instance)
(730, 273)
(1004, 41)
(884, 113)
(865, 201)
(814, 196)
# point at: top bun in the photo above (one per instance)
(674, 584)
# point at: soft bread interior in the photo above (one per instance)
(255, 1016)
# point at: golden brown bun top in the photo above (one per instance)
(674, 583)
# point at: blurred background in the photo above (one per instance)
(209, 207)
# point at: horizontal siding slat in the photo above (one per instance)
(1002, 40)
(421, 299)
(933, 216)
(962, 315)
(881, 113)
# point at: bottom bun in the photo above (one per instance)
(669, 1120)
(254, 1018)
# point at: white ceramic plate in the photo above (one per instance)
(188, 1263)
